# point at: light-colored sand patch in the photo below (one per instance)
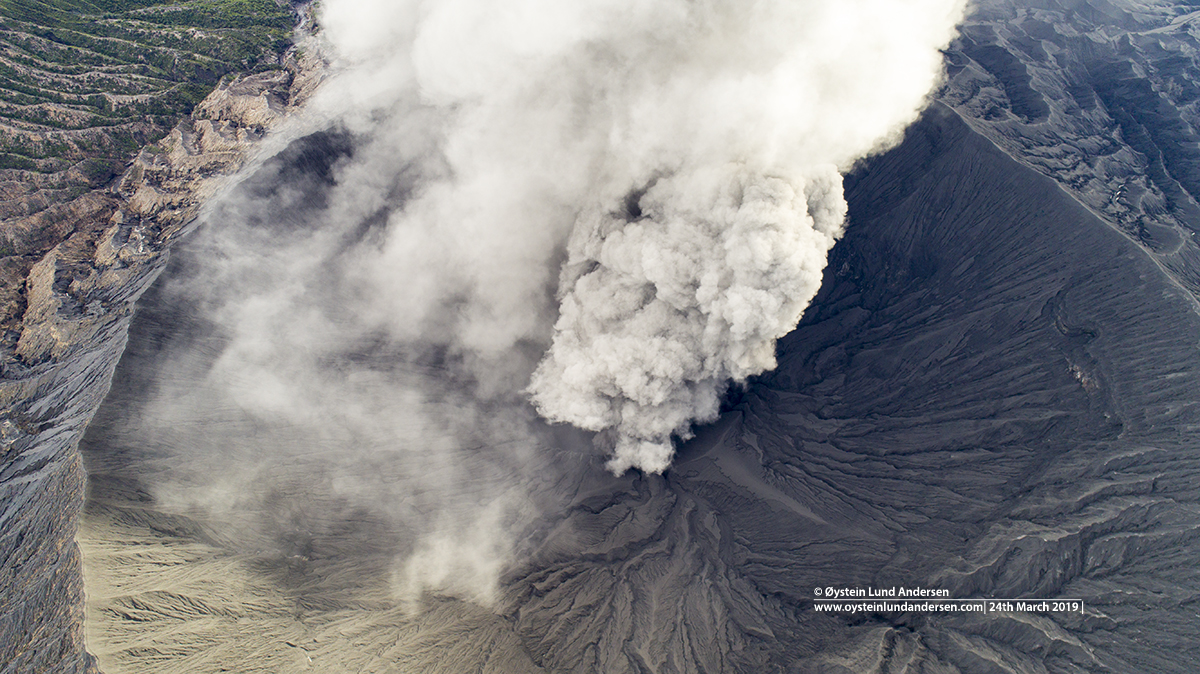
(162, 603)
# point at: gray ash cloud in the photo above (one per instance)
(682, 157)
(610, 210)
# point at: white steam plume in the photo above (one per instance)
(686, 151)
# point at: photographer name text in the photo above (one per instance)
(882, 592)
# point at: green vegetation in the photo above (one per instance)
(96, 79)
(16, 161)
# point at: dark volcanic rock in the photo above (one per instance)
(993, 394)
(1104, 98)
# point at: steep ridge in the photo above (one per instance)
(80, 298)
(84, 86)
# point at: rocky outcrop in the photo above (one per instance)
(66, 328)
(83, 87)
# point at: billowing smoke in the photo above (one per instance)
(686, 151)
(659, 313)
(610, 209)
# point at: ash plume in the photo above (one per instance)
(687, 154)
(607, 209)
(660, 313)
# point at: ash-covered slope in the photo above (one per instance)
(993, 394)
(1103, 97)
